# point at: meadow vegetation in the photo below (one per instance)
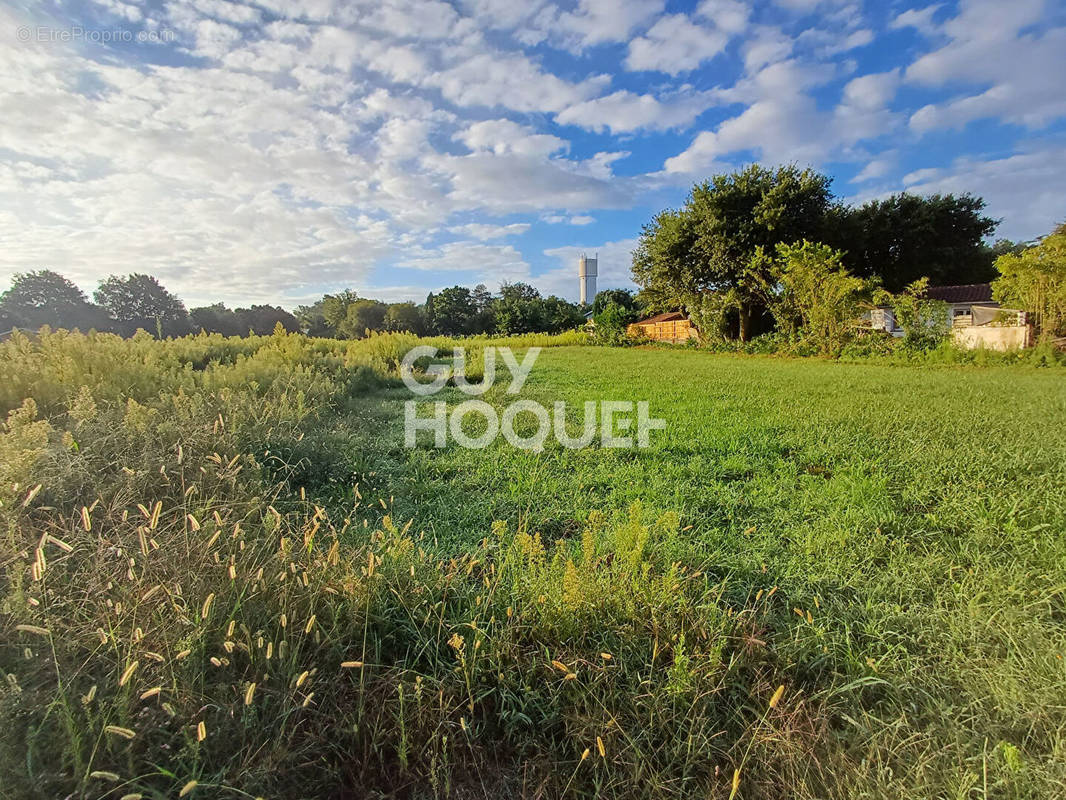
(224, 576)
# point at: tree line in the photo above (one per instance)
(135, 302)
(455, 311)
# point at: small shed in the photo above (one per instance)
(673, 326)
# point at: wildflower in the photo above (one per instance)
(249, 693)
(601, 748)
(201, 731)
(115, 730)
(187, 787)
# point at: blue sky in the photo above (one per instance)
(276, 150)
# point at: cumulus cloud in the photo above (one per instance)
(1027, 189)
(1001, 68)
(674, 44)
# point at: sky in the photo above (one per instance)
(273, 151)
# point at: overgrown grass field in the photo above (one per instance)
(224, 575)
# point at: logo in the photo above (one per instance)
(613, 423)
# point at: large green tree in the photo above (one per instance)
(44, 297)
(905, 237)
(723, 239)
(139, 301)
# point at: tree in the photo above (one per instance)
(906, 237)
(262, 320)
(611, 321)
(558, 315)
(815, 295)
(215, 318)
(363, 316)
(1035, 281)
(335, 309)
(925, 322)
(484, 321)
(44, 297)
(312, 320)
(454, 312)
(403, 317)
(140, 302)
(518, 309)
(719, 241)
(620, 297)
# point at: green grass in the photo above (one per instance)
(888, 543)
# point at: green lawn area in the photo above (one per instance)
(918, 515)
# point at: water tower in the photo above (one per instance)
(586, 272)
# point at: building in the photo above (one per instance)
(586, 273)
(976, 319)
(673, 326)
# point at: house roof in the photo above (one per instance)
(966, 293)
(669, 316)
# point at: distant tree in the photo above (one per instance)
(1035, 281)
(403, 317)
(720, 240)
(558, 315)
(335, 310)
(140, 302)
(454, 312)
(906, 237)
(263, 319)
(517, 309)
(312, 320)
(44, 297)
(611, 321)
(363, 316)
(815, 295)
(620, 297)
(215, 318)
(484, 321)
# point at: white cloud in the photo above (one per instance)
(493, 263)
(730, 16)
(484, 232)
(783, 122)
(502, 136)
(1027, 190)
(1017, 75)
(625, 111)
(674, 44)
(921, 19)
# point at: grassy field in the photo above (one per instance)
(234, 574)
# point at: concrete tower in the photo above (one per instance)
(586, 272)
